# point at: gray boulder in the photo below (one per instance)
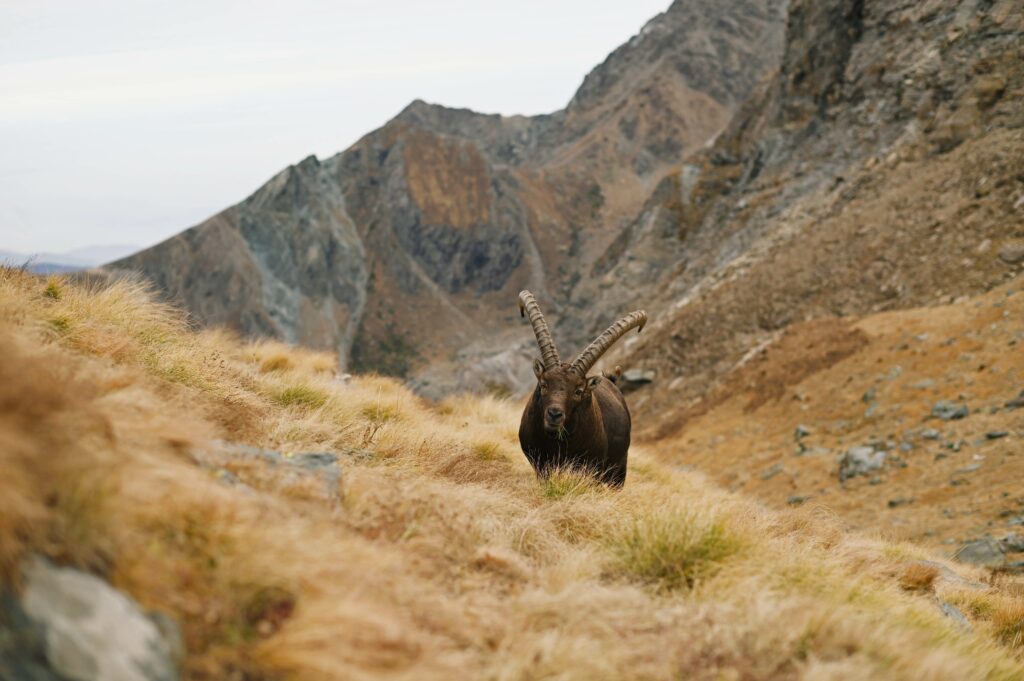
(68, 625)
(860, 461)
(984, 551)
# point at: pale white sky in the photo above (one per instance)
(126, 121)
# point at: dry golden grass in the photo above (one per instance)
(437, 554)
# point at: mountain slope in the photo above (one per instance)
(294, 525)
(413, 243)
(882, 168)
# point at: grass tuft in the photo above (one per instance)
(671, 549)
(567, 482)
(300, 396)
(486, 451)
(918, 577)
(61, 324)
(53, 289)
(379, 414)
(278, 362)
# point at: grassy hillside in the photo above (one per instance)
(177, 465)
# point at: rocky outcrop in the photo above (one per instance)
(67, 625)
(879, 169)
(412, 244)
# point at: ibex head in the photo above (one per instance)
(565, 387)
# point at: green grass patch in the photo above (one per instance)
(671, 549)
(486, 451)
(1011, 633)
(380, 413)
(300, 396)
(62, 325)
(53, 290)
(567, 482)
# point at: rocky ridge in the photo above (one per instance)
(412, 243)
(881, 168)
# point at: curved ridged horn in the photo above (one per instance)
(582, 364)
(528, 306)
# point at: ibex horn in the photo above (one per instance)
(585, 362)
(528, 306)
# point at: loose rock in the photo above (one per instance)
(984, 551)
(638, 377)
(1012, 253)
(953, 613)
(1017, 402)
(1012, 543)
(949, 411)
(860, 461)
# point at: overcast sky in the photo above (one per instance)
(126, 121)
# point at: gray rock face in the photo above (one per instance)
(855, 102)
(984, 551)
(322, 465)
(69, 625)
(639, 377)
(860, 461)
(953, 613)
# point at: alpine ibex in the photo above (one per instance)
(572, 419)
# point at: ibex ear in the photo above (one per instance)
(592, 382)
(538, 368)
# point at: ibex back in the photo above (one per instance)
(572, 419)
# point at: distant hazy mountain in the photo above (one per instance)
(68, 261)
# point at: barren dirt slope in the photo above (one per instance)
(781, 424)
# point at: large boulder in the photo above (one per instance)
(68, 625)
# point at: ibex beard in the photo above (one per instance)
(571, 419)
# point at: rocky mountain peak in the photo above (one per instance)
(409, 245)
